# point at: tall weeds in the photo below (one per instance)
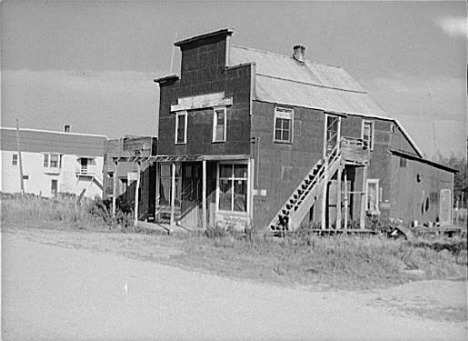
(80, 212)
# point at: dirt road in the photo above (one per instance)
(57, 293)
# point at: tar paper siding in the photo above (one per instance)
(412, 183)
(204, 72)
(280, 167)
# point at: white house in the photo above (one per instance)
(51, 162)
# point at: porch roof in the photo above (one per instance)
(181, 158)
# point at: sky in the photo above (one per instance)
(91, 64)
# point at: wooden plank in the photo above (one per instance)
(362, 215)
(157, 192)
(204, 194)
(338, 197)
(137, 199)
(346, 200)
(114, 189)
(173, 194)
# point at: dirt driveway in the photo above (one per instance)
(56, 293)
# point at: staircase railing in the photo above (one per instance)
(294, 209)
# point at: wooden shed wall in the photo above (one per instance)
(410, 199)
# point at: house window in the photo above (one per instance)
(181, 128)
(219, 125)
(284, 124)
(233, 187)
(368, 133)
(52, 161)
(14, 160)
(373, 196)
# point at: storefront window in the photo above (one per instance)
(233, 187)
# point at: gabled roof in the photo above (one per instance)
(281, 79)
(45, 141)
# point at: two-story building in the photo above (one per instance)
(249, 138)
(47, 163)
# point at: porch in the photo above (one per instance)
(202, 191)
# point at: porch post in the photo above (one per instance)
(173, 194)
(114, 188)
(137, 199)
(346, 199)
(338, 197)
(204, 194)
(156, 201)
(324, 197)
(362, 215)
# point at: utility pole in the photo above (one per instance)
(19, 157)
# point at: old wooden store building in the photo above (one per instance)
(249, 138)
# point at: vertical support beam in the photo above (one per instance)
(157, 192)
(362, 215)
(346, 200)
(114, 188)
(20, 159)
(204, 211)
(338, 196)
(173, 194)
(137, 199)
(250, 188)
(324, 197)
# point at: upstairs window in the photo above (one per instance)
(219, 125)
(14, 160)
(181, 128)
(52, 161)
(368, 133)
(283, 125)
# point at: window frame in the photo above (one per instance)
(215, 121)
(47, 160)
(14, 159)
(377, 198)
(177, 115)
(370, 144)
(232, 179)
(279, 110)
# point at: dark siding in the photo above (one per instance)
(204, 72)
(400, 142)
(281, 166)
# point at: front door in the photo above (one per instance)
(191, 194)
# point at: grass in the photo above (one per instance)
(69, 211)
(343, 262)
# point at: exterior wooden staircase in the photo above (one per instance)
(304, 196)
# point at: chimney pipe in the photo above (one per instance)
(67, 128)
(299, 53)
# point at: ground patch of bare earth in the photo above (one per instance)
(68, 285)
